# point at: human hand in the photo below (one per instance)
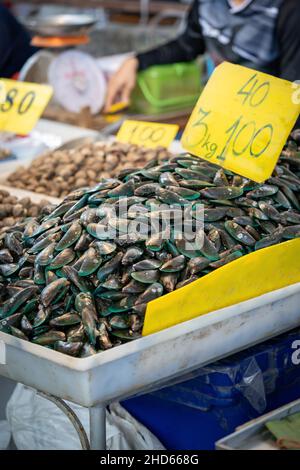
(122, 83)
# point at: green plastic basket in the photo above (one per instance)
(164, 88)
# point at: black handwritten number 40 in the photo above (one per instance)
(25, 103)
(254, 94)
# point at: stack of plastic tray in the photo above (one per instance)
(164, 88)
(196, 413)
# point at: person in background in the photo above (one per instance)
(260, 34)
(15, 46)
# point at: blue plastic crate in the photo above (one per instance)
(196, 413)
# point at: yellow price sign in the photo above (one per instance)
(147, 134)
(242, 121)
(21, 105)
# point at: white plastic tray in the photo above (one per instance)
(254, 435)
(54, 134)
(46, 135)
(35, 197)
(151, 361)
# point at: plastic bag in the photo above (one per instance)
(5, 435)
(36, 423)
(221, 383)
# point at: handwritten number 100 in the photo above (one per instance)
(235, 134)
(24, 105)
(147, 133)
(254, 95)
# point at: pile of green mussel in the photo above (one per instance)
(78, 279)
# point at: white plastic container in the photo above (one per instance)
(35, 197)
(254, 434)
(47, 135)
(149, 362)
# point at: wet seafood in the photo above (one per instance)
(78, 280)
(14, 210)
(57, 172)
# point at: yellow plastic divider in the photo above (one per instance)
(245, 278)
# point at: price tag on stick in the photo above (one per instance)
(21, 105)
(242, 121)
(147, 134)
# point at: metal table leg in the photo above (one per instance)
(98, 427)
(97, 423)
(72, 417)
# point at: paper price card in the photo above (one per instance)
(242, 121)
(147, 134)
(21, 105)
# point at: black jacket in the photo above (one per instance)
(15, 46)
(264, 35)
